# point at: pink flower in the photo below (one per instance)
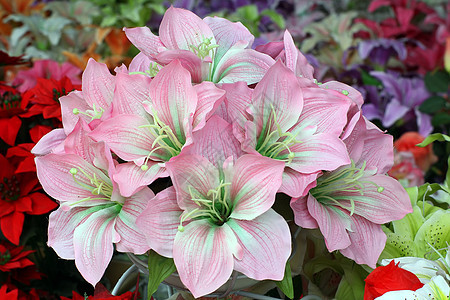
(290, 120)
(216, 220)
(153, 121)
(93, 214)
(212, 49)
(349, 203)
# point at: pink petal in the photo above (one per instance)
(379, 207)
(203, 255)
(333, 224)
(192, 172)
(61, 227)
(132, 239)
(173, 97)
(53, 172)
(319, 152)
(216, 142)
(240, 64)
(140, 63)
(301, 213)
(209, 98)
(367, 242)
(266, 245)
(296, 184)
(227, 34)
(49, 142)
(98, 85)
(273, 49)
(189, 61)
(378, 151)
(159, 221)
(295, 60)
(93, 244)
(181, 28)
(353, 93)
(130, 93)
(255, 182)
(144, 40)
(325, 109)
(237, 98)
(279, 91)
(131, 178)
(68, 104)
(126, 135)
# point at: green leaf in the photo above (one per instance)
(410, 224)
(286, 285)
(413, 193)
(248, 12)
(437, 81)
(432, 105)
(434, 137)
(369, 80)
(275, 17)
(108, 21)
(435, 232)
(352, 285)
(159, 268)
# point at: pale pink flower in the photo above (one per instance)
(290, 120)
(153, 121)
(216, 220)
(213, 49)
(349, 203)
(93, 214)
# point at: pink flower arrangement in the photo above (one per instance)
(231, 127)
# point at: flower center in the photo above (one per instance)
(10, 189)
(9, 100)
(168, 144)
(100, 189)
(5, 257)
(204, 49)
(214, 206)
(57, 94)
(334, 187)
(276, 144)
(95, 113)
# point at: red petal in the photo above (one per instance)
(41, 204)
(11, 226)
(9, 129)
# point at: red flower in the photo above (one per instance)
(423, 156)
(101, 293)
(12, 257)
(5, 294)
(44, 97)
(18, 196)
(10, 100)
(389, 278)
(6, 60)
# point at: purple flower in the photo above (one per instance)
(399, 98)
(379, 51)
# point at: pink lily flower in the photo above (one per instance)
(349, 203)
(153, 121)
(93, 214)
(292, 122)
(216, 220)
(213, 49)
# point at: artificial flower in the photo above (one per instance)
(10, 108)
(438, 288)
(213, 49)
(46, 69)
(44, 97)
(379, 51)
(218, 219)
(405, 170)
(101, 293)
(399, 99)
(389, 278)
(290, 120)
(12, 257)
(423, 156)
(93, 214)
(349, 203)
(17, 197)
(154, 121)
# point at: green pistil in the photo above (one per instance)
(5, 258)
(100, 189)
(273, 143)
(95, 113)
(10, 189)
(9, 101)
(346, 180)
(215, 206)
(165, 140)
(204, 49)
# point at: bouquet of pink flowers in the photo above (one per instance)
(231, 127)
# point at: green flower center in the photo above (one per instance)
(5, 258)
(333, 187)
(276, 144)
(215, 206)
(204, 49)
(94, 113)
(10, 189)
